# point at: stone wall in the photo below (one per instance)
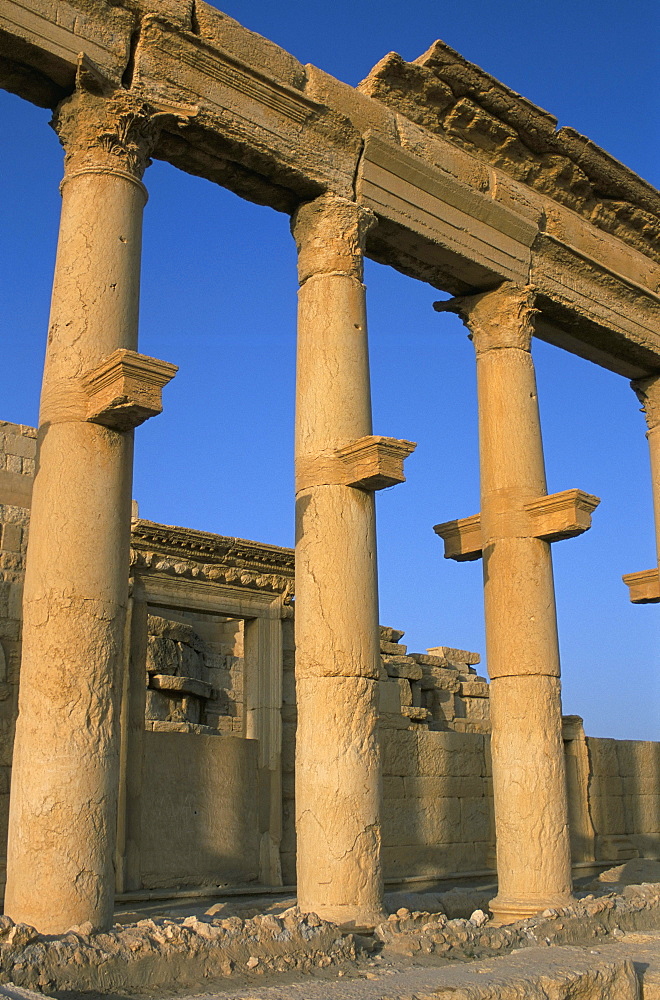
(17, 463)
(199, 810)
(438, 806)
(624, 797)
(194, 672)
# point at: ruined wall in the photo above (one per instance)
(17, 463)
(624, 797)
(194, 672)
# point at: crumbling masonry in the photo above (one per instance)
(440, 171)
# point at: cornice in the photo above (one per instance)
(161, 548)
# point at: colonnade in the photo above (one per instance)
(97, 388)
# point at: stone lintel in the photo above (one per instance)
(125, 389)
(176, 684)
(552, 518)
(374, 463)
(644, 587)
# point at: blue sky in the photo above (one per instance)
(219, 299)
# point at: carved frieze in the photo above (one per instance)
(198, 555)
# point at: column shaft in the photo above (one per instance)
(338, 785)
(531, 810)
(64, 781)
(648, 393)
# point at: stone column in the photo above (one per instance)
(647, 391)
(338, 783)
(62, 823)
(529, 785)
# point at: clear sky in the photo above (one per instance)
(219, 299)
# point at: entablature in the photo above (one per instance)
(433, 160)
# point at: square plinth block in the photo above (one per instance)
(126, 389)
(644, 587)
(374, 463)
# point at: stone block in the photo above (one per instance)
(393, 648)
(474, 689)
(605, 785)
(607, 814)
(639, 762)
(394, 787)
(392, 720)
(446, 786)
(162, 655)
(17, 444)
(388, 634)
(456, 656)
(432, 860)
(643, 812)
(389, 695)
(364, 113)
(476, 709)
(476, 818)
(12, 537)
(405, 691)
(402, 666)
(603, 757)
(217, 29)
(436, 821)
(399, 753)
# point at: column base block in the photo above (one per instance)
(508, 911)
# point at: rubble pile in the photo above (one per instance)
(592, 918)
(154, 952)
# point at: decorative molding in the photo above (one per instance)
(126, 389)
(369, 463)
(462, 538)
(562, 515)
(644, 587)
(374, 463)
(500, 318)
(236, 562)
(552, 518)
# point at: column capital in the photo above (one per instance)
(113, 134)
(502, 317)
(330, 233)
(647, 391)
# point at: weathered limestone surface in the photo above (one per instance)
(338, 787)
(199, 813)
(648, 393)
(533, 848)
(65, 773)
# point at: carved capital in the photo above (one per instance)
(503, 317)
(647, 391)
(330, 233)
(113, 133)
